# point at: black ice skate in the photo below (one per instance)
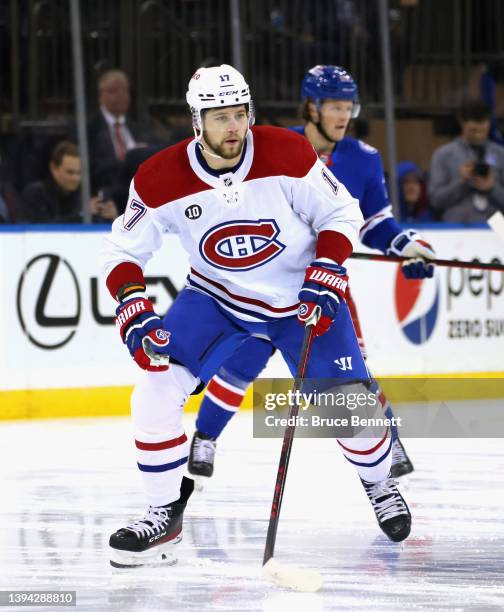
(390, 508)
(150, 540)
(401, 463)
(201, 455)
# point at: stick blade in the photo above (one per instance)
(496, 222)
(302, 580)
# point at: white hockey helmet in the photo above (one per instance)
(216, 87)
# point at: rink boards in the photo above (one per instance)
(60, 354)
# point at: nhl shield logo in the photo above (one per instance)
(241, 245)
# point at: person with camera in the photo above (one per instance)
(466, 179)
(57, 198)
(103, 208)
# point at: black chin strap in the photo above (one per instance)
(323, 133)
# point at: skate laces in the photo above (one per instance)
(386, 499)
(398, 454)
(203, 450)
(153, 522)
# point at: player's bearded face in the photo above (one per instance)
(335, 116)
(224, 130)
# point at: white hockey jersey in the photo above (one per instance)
(249, 233)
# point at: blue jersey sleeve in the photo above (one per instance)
(379, 227)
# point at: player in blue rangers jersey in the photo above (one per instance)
(330, 100)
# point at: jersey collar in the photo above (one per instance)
(227, 178)
(217, 173)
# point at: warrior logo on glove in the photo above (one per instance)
(142, 331)
(324, 287)
(130, 311)
(327, 279)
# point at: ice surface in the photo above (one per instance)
(66, 485)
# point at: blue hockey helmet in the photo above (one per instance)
(334, 82)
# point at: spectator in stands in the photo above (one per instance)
(8, 203)
(103, 208)
(8, 197)
(489, 97)
(57, 198)
(112, 137)
(413, 203)
(466, 180)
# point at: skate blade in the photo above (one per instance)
(164, 554)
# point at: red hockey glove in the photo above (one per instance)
(324, 287)
(142, 331)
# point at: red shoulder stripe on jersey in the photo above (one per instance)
(280, 152)
(123, 273)
(168, 176)
(334, 245)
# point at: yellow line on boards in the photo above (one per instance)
(115, 401)
(78, 402)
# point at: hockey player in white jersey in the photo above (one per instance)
(266, 238)
(330, 99)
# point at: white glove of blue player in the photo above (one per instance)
(410, 244)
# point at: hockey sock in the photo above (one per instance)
(371, 456)
(390, 415)
(222, 400)
(387, 409)
(161, 460)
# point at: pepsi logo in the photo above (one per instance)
(417, 306)
(241, 245)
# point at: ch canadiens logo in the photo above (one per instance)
(241, 245)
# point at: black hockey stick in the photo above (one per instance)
(299, 579)
(449, 263)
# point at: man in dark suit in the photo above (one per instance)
(110, 136)
(113, 139)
